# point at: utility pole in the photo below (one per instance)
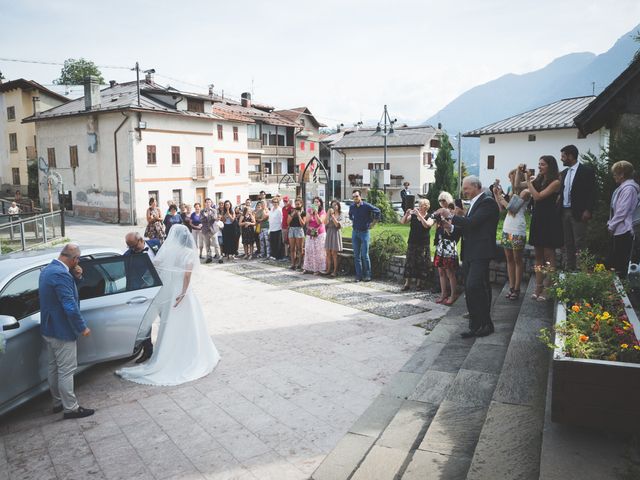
(459, 165)
(138, 81)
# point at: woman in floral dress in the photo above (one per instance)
(155, 227)
(315, 257)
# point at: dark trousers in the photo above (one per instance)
(477, 292)
(277, 247)
(619, 253)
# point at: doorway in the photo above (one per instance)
(201, 194)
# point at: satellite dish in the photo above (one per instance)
(42, 165)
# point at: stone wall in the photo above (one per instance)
(497, 267)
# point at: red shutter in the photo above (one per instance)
(235, 134)
(220, 136)
(237, 165)
(301, 145)
(312, 146)
(222, 166)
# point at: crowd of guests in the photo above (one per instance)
(278, 228)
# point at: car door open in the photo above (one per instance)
(115, 293)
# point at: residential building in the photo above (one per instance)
(20, 99)
(525, 137)
(117, 147)
(307, 135)
(411, 153)
(332, 160)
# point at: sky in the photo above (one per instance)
(342, 59)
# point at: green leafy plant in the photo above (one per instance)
(382, 249)
(377, 197)
(74, 71)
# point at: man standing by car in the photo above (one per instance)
(60, 324)
(364, 216)
(478, 228)
(578, 200)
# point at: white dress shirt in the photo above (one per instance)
(275, 220)
(568, 182)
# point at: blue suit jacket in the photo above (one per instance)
(60, 315)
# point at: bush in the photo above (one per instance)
(382, 248)
(378, 198)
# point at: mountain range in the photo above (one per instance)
(572, 75)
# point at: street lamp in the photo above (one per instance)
(385, 130)
(459, 138)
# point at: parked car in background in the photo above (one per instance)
(115, 294)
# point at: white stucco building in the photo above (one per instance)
(524, 138)
(411, 153)
(116, 148)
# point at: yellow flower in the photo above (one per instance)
(636, 347)
(599, 267)
(606, 316)
(575, 308)
(624, 346)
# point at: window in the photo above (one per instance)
(492, 139)
(220, 135)
(253, 131)
(237, 165)
(175, 155)
(13, 142)
(20, 298)
(312, 146)
(339, 168)
(222, 169)
(491, 160)
(177, 198)
(427, 159)
(302, 122)
(16, 176)
(73, 156)
(155, 194)
(302, 146)
(51, 157)
(151, 154)
(11, 113)
(194, 105)
(532, 138)
(235, 134)
(110, 275)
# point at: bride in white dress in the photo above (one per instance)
(183, 351)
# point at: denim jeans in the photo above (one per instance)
(360, 241)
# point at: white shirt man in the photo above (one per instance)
(568, 182)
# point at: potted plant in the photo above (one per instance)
(596, 353)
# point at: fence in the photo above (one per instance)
(25, 231)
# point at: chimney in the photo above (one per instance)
(112, 83)
(211, 90)
(148, 75)
(36, 106)
(245, 99)
(439, 126)
(91, 92)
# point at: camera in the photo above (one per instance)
(436, 216)
(523, 168)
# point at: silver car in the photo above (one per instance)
(115, 294)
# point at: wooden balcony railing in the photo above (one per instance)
(202, 172)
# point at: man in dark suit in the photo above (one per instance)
(577, 200)
(478, 227)
(404, 193)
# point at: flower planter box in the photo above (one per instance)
(596, 393)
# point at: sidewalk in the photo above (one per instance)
(296, 372)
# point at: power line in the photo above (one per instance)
(39, 62)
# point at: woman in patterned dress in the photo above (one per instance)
(155, 227)
(315, 257)
(446, 257)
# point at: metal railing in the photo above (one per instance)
(269, 178)
(25, 233)
(202, 172)
(25, 206)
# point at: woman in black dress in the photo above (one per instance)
(417, 261)
(546, 228)
(248, 224)
(229, 233)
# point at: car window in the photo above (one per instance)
(20, 297)
(110, 275)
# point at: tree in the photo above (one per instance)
(1, 77)
(377, 197)
(445, 178)
(74, 71)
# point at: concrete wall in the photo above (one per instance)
(511, 149)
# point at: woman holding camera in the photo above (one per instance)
(546, 226)
(297, 220)
(315, 257)
(514, 229)
(417, 260)
(446, 257)
(333, 241)
(229, 231)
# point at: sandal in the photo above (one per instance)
(508, 295)
(541, 298)
(450, 301)
(539, 288)
(442, 300)
(514, 295)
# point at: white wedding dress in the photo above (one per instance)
(183, 350)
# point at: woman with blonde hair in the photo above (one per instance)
(446, 257)
(620, 225)
(514, 229)
(416, 265)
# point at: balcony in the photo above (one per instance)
(279, 151)
(259, 177)
(202, 172)
(356, 181)
(254, 144)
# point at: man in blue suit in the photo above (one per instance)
(60, 325)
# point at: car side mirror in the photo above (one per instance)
(8, 323)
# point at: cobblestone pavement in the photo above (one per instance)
(302, 358)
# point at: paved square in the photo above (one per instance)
(296, 372)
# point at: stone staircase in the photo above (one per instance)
(459, 408)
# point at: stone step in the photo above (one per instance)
(426, 421)
(510, 441)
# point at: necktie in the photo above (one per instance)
(567, 188)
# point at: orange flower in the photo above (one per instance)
(575, 308)
(583, 338)
(587, 305)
